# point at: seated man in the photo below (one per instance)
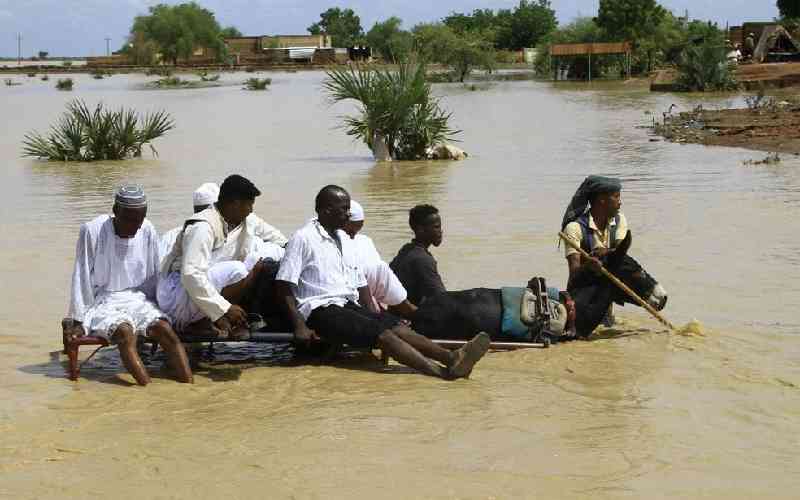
(269, 241)
(594, 221)
(414, 265)
(205, 277)
(384, 287)
(114, 284)
(321, 285)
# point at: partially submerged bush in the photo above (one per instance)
(159, 71)
(64, 84)
(204, 76)
(171, 81)
(257, 83)
(397, 109)
(87, 135)
(67, 64)
(704, 68)
(45, 78)
(31, 75)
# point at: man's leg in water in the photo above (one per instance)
(125, 339)
(405, 354)
(458, 362)
(161, 332)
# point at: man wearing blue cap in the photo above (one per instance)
(114, 285)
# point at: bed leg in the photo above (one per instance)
(74, 368)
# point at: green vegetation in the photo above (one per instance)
(204, 76)
(65, 84)
(171, 81)
(257, 83)
(388, 40)
(788, 8)
(344, 27)
(159, 71)
(705, 68)
(508, 29)
(88, 135)
(43, 54)
(460, 52)
(397, 109)
(66, 64)
(31, 75)
(175, 31)
(45, 78)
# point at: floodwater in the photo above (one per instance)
(637, 412)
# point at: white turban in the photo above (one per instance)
(206, 194)
(356, 211)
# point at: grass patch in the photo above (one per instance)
(86, 135)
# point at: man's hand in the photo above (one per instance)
(236, 316)
(305, 335)
(72, 329)
(600, 252)
(594, 264)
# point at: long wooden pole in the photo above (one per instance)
(498, 346)
(625, 288)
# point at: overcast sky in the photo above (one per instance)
(79, 27)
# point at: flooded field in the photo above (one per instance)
(636, 412)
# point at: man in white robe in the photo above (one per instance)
(204, 276)
(384, 287)
(269, 241)
(114, 284)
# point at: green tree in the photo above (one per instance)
(344, 27)
(461, 52)
(508, 29)
(230, 32)
(789, 8)
(390, 41)
(705, 67)
(180, 29)
(631, 20)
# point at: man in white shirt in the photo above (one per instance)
(114, 284)
(321, 284)
(204, 276)
(384, 287)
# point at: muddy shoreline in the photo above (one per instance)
(772, 127)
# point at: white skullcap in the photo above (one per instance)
(206, 194)
(356, 211)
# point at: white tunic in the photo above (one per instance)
(114, 279)
(320, 272)
(384, 286)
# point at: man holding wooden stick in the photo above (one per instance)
(594, 222)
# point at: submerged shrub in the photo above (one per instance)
(64, 84)
(87, 135)
(257, 83)
(396, 106)
(45, 78)
(705, 68)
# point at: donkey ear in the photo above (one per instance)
(622, 248)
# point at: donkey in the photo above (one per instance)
(459, 315)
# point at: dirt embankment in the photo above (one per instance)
(773, 127)
(749, 76)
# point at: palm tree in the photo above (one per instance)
(398, 111)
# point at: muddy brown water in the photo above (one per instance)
(635, 413)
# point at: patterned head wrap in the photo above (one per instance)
(592, 185)
(356, 211)
(130, 196)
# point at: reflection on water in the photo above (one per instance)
(636, 412)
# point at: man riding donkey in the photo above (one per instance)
(594, 222)
(322, 287)
(114, 286)
(206, 279)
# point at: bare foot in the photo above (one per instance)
(467, 356)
